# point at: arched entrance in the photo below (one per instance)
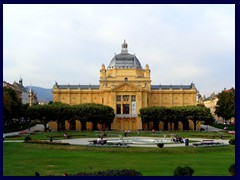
(126, 125)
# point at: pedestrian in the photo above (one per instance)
(98, 140)
(51, 139)
(121, 137)
(125, 133)
(66, 136)
(37, 173)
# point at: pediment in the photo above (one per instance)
(126, 86)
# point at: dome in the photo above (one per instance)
(125, 59)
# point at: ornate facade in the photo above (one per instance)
(26, 96)
(126, 86)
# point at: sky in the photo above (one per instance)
(67, 44)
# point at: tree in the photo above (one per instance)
(198, 113)
(172, 115)
(39, 112)
(225, 107)
(145, 114)
(80, 115)
(95, 113)
(183, 114)
(154, 114)
(12, 106)
(106, 116)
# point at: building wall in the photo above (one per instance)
(169, 98)
(20, 90)
(25, 99)
(211, 104)
(121, 82)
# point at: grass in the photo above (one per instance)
(23, 159)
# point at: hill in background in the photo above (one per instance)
(42, 93)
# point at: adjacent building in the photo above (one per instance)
(32, 97)
(211, 103)
(125, 85)
(26, 96)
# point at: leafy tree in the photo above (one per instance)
(106, 116)
(145, 114)
(199, 113)
(183, 114)
(95, 113)
(80, 115)
(225, 107)
(12, 106)
(38, 112)
(61, 113)
(174, 114)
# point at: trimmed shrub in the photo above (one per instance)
(232, 141)
(160, 145)
(46, 142)
(183, 171)
(123, 172)
(27, 138)
(231, 169)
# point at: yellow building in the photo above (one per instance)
(126, 86)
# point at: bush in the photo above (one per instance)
(231, 169)
(160, 145)
(46, 142)
(123, 172)
(27, 138)
(183, 171)
(232, 141)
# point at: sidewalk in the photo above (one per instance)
(85, 141)
(208, 128)
(37, 127)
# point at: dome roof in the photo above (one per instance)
(125, 59)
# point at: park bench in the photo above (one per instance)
(100, 142)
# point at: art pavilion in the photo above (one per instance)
(125, 86)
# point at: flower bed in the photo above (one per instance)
(208, 143)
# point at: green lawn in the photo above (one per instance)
(23, 159)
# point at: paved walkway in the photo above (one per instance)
(40, 127)
(37, 127)
(85, 141)
(210, 128)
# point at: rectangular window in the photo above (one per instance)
(125, 108)
(133, 98)
(125, 97)
(118, 108)
(118, 98)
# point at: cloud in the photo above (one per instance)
(68, 43)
